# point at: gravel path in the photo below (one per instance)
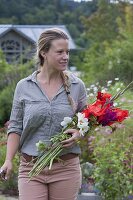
(80, 197)
(2, 197)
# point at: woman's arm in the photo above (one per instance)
(12, 147)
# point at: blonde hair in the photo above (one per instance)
(44, 44)
(66, 84)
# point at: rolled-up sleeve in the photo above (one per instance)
(82, 102)
(16, 117)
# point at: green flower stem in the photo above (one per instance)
(51, 161)
(116, 96)
(45, 160)
(53, 151)
(39, 161)
(48, 158)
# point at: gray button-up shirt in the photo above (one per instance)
(34, 117)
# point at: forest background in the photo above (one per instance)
(103, 33)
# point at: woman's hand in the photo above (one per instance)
(6, 169)
(12, 147)
(71, 141)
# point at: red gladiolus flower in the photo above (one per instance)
(96, 109)
(121, 114)
(104, 112)
(108, 118)
(112, 115)
(103, 96)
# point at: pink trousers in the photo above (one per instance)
(61, 182)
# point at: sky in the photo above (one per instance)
(115, 1)
(82, 0)
(111, 1)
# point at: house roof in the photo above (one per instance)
(32, 32)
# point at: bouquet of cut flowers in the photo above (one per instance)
(100, 113)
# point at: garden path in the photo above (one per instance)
(2, 197)
(80, 197)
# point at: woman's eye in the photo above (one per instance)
(59, 52)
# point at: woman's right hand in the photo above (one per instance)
(12, 147)
(6, 169)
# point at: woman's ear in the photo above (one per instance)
(43, 54)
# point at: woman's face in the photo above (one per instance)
(58, 55)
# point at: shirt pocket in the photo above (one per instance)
(62, 109)
(34, 111)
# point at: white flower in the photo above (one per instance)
(91, 94)
(82, 123)
(92, 86)
(40, 145)
(83, 130)
(115, 104)
(66, 121)
(96, 129)
(116, 79)
(109, 82)
(81, 118)
(103, 90)
(118, 89)
(95, 89)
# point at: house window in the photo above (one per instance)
(13, 50)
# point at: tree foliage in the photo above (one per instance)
(47, 12)
(109, 55)
(101, 25)
(107, 35)
(9, 76)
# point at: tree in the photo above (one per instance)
(110, 57)
(101, 25)
(9, 76)
(47, 12)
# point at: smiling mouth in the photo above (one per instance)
(64, 63)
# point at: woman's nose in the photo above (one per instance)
(65, 56)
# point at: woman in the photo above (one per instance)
(41, 101)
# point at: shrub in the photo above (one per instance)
(113, 168)
(110, 150)
(10, 186)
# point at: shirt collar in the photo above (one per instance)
(32, 77)
(72, 77)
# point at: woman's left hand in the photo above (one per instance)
(71, 141)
